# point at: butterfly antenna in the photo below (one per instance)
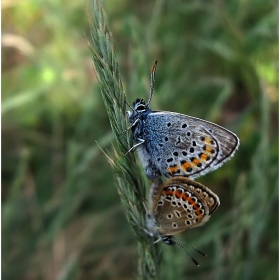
(153, 70)
(195, 262)
(182, 241)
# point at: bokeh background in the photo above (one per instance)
(61, 214)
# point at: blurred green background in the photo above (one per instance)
(61, 214)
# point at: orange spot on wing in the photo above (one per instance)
(173, 169)
(193, 203)
(186, 165)
(168, 192)
(208, 141)
(208, 149)
(196, 161)
(195, 206)
(203, 157)
(178, 194)
(198, 213)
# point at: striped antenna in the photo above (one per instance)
(153, 70)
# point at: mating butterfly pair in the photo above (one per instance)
(182, 148)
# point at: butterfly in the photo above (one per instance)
(173, 144)
(178, 205)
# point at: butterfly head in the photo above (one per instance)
(168, 239)
(139, 108)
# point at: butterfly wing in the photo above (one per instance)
(183, 204)
(181, 145)
(209, 197)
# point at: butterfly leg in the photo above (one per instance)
(146, 231)
(131, 126)
(141, 141)
(158, 240)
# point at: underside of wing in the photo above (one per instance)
(181, 145)
(180, 208)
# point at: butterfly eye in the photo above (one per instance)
(141, 107)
